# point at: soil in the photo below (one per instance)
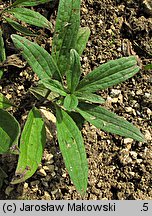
(119, 168)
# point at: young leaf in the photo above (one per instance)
(108, 121)
(73, 74)
(31, 17)
(9, 131)
(29, 3)
(37, 57)
(109, 74)
(66, 29)
(41, 91)
(2, 52)
(19, 27)
(54, 86)
(82, 39)
(87, 96)
(73, 150)
(4, 102)
(32, 143)
(70, 102)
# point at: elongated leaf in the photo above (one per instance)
(31, 17)
(109, 74)
(108, 121)
(19, 27)
(66, 29)
(2, 48)
(3, 175)
(77, 118)
(70, 102)
(29, 3)
(2, 52)
(37, 57)
(87, 96)
(9, 131)
(82, 39)
(73, 150)
(4, 102)
(41, 91)
(73, 74)
(32, 143)
(54, 86)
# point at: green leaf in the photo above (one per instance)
(3, 175)
(87, 96)
(29, 3)
(41, 91)
(73, 150)
(82, 39)
(108, 121)
(9, 131)
(148, 67)
(73, 74)
(54, 86)
(31, 17)
(4, 102)
(32, 144)
(70, 102)
(66, 29)
(2, 52)
(77, 118)
(19, 27)
(37, 57)
(109, 74)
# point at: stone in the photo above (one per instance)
(115, 92)
(139, 92)
(41, 172)
(36, 182)
(148, 135)
(133, 154)
(49, 157)
(128, 109)
(46, 196)
(25, 185)
(128, 140)
(51, 168)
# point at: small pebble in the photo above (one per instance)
(148, 135)
(139, 161)
(41, 172)
(147, 95)
(45, 184)
(45, 168)
(64, 175)
(49, 157)
(139, 92)
(124, 156)
(129, 109)
(51, 168)
(36, 182)
(115, 92)
(46, 196)
(114, 100)
(128, 140)
(25, 185)
(133, 154)
(132, 173)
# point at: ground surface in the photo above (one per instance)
(118, 168)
